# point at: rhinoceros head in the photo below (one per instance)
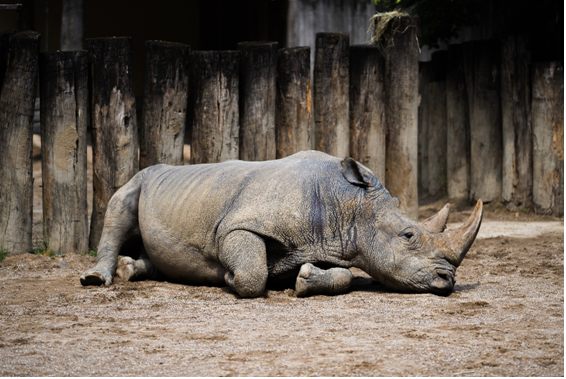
(403, 254)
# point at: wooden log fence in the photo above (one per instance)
(294, 122)
(548, 138)
(517, 165)
(258, 69)
(401, 112)
(368, 128)
(64, 117)
(457, 127)
(17, 99)
(215, 117)
(164, 115)
(331, 99)
(437, 128)
(209, 91)
(114, 124)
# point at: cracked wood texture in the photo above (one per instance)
(17, 100)
(64, 117)
(367, 108)
(215, 117)
(457, 126)
(517, 166)
(548, 138)
(481, 67)
(114, 124)
(165, 101)
(294, 121)
(401, 112)
(258, 70)
(331, 99)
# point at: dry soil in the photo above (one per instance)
(505, 318)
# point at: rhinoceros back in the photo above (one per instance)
(193, 207)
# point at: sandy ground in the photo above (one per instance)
(505, 318)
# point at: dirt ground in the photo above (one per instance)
(505, 318)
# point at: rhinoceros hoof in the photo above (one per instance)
(305, 280)
(95, 277)
(125, 269)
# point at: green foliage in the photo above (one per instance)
(3, 254)
(92, 252)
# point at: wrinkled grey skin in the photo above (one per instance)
(300, 220)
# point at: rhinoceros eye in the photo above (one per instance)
(407, 234)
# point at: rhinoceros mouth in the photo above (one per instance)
(442, 282)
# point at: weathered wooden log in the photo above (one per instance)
(548, 138)
(215, 120)
(437, 125)
(72, 25)
(64, 116)
(4, 48)
(331, 99)
(457, 127)
(258, 70)
(425, 72)
(114, 125)
(17, 102)
(481, 63)
(401, 112)
(165, 101)
(517, 166)
(294, 122)
(367, 108)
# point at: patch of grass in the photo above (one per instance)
(92, 252)
(3, 254)
(44, 249)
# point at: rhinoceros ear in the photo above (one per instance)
(353, 174)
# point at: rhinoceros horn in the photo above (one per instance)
(460, 239)
(437, 222)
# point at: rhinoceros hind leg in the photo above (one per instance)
(243, 255)
(137, 269)
(316, 281)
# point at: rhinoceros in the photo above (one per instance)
(303, 220)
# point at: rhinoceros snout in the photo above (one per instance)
(442, 283)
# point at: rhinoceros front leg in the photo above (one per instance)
(243, 255)
(316, 281)
(120, 224)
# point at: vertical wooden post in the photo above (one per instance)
(367, 108)
(401, 112)
(458, 127)
(437, 125)
(294, 121)
(165, 100)
(517, 167)
(548, 138)
(64, 117)
(72, 28)
(258, 68)
(482, 82)
(17, 101)
(425, 72)
(4, 48)
(331, 99)
(114, 125)
(215, 120)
